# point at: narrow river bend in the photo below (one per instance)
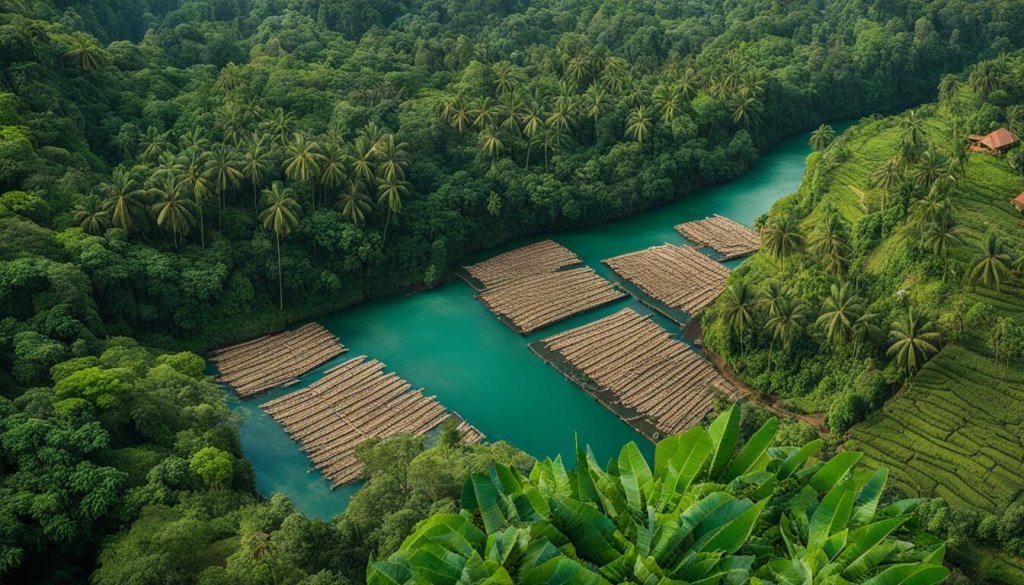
(446, 342)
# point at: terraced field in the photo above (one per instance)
(957, 432)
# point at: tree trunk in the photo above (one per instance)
(202, 226)
(386, 222)
(280, 286)
(254, 204)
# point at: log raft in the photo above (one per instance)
(723, 235)
(275, 361)
(646, 371)
(353, 402)
(534, 286)
(678, 276)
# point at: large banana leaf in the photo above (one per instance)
(591, 533)
(437, 565)
(725, 435)
(751, 455)
(679, 460)
(583, 486)
(860, 544)
(834, 471)
(870, 493)
(798, 457)
(731, 536)
(910, 574)
(561, 571)
(480, 495)
(634, 475)
(832, 515)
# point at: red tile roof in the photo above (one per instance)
(1000, 139)
(1019, 200)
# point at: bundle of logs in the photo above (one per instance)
(353, 402)
(648, 371)
(678, 276)
(275, 361)
(534, 286)
(723, 235)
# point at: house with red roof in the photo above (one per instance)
(996, 142)
(1018, 202)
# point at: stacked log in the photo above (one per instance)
(275, 361)
(678, 276)
(723, 235)
(534, 286)
(648, 372)
(353, 402)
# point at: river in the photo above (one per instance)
(446, 342)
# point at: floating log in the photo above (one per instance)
(648, 372)
(723, 235)
(678, 276)
(534, 286)
(275, 361)
(353, 402)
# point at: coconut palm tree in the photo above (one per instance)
(510, 112)
(771, 296)
(175, 212)
(392, 158)
(941, 235)
(390, 193)
(781, 238)
(223, 170)
(865, 327)
(747, 110)
(930, 167)
(914, 341)
(615, 74)
(491, 142)
(85, 52)
(596, 102)
(280, 215)
(912, 127)
(738, 309)
(362, 159)
(667, 101)
(561, 115)
(355, 203)
(831, 244)
(483, 112)
(986, 78)
(334, 171)
(948, 87)
(154, 143)
(194, 140)
(992, 266)
(199, 186)
(887, 178)
(787, 322)
(639, 124)
(278, 126)
(91, 217)
(460, 117)
(124, 199)
(506, 77)
(533, 125)
(822, 138)
(302, 158)
(494, 204)
(255, 162)
(839, 311)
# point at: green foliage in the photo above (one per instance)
(711, 511)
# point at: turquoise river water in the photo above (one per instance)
(445, 341)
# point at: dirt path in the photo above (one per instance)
(817, 421)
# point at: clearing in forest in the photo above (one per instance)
(957, 432)
(353, 402)
(275, 361)
(634, 367)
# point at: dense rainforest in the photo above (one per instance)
(176, 175)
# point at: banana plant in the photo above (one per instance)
(711, 511)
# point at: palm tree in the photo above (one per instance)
(866, 326)
(483, 112)
(494, 204)
(85, 52)
(491, 143)
(986, 78)
(362, 159)
(747, 110)
(533, 126)
(154, 143)
(280, 215)
(782, 238)
(255, 162)
(459, 116)
(914, 341)
(667, 101)
(839, 311)
(771, 296)
(941, 235)
(194, 140)
(390, 193)
(615, 74)
(175, 212)
(561, 116)
(392, 158)
(738, 310)
(787, 322)
(334, 171)
(279, 125)
(303, 158)
(992, 266)
(930, 167)
(822, 138)
(912, 125)
(887, 177)
(222, 169)
(91, 217)
(194, 179)
(639, 124)
(596, 102)
(831, 243)
(506, 77)
(948, 87)
(355, 204)
(124, 199)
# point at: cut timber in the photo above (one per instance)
(644, 368)
(542, 299)
(353, 402)
(510, 267)
(274, 361)
(723, 235)
(678, 276)
(534, 286)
